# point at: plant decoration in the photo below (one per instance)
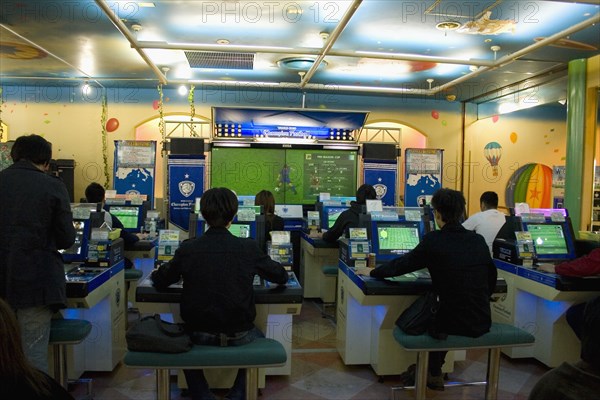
(104, 140)
(192, 111)
(161, 122)
(1, 125)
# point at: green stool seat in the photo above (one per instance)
(132, 274)
(65, 332)
(500, 335)
(260, 353)
(329, 270)
(69, 331)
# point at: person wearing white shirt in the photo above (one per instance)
(488, 222)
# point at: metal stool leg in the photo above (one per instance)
(163, 386)
(251, 383)
(421, 375)
(60, 365)
(493, 371)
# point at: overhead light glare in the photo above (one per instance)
(147, 4)
(86, 88)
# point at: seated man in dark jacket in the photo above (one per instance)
(94, 193)
(218, 268)
(349, 218)
(462, 274)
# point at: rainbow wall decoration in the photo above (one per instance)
(531, 184)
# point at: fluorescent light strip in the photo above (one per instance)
(230, 144)
(225, 46)
(234, 82)
(284, 140)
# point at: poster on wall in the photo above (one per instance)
(135, 168)
(559, 172)
(423, 175)
(186, 183)
(5, 158)
(383, 177)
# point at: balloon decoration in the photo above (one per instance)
(492, 152)
(435, 114)
(531, 184)
(112, 125)
(155, 104)
(513, 137)
(495, 118)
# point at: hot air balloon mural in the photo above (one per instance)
(492, 152)
(531, 184)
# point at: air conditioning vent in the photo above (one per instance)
(220, 60)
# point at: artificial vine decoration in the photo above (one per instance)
(1, 124)
(192, 111)
(103, 119)
(161, 121)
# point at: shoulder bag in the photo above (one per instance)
(152, 334)
(419, 317)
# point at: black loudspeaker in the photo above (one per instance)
(186, 146)
(65, 170)
(379, 151)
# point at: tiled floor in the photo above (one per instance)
(318, 373)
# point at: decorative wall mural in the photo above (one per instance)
(492, 152)
(531, 184)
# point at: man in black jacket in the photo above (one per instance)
(217, 304)
(35, 221)
(462, 272)
(349, 218)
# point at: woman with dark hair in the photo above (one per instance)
(462, 272)
(18, 379)
(217, 303)
(272, 222)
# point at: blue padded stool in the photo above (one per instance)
(131, 275)
(328, 286)
(64, 332)
(500, 335)
(261, 353)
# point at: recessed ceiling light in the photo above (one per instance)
(448, 25)
(222, 41)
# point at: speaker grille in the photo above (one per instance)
(220, 60)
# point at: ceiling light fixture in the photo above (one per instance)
(430, 81)
(299, 63)
(222, 41)
(446, 26)
(86, 88)
(495, 49)
(182, 90)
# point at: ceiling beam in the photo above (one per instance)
(125, 32)
(330, 41)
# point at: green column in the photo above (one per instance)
(576, 90)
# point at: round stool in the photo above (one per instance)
(65, 332)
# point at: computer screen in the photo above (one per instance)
(330, 215)
(128, 215)
(240, 230)
(548, 239)
(391, 239)
(77, 252)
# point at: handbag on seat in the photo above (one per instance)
(152, 334)
(419, 317)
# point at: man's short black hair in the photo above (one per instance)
(450, 204)
(94, 193)
(218, 206)
(490, 199)
(364, 193)
(590, 345)
(33, 148)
